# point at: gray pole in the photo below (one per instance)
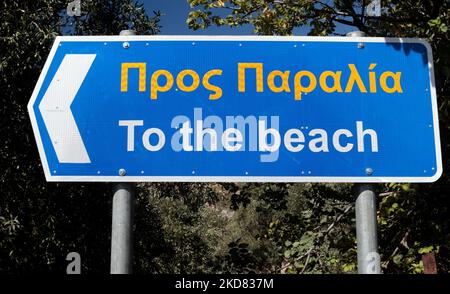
(366, 230)
(122, 220)
(122, 229)
(366, 217)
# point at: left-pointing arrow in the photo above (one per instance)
(56, 112)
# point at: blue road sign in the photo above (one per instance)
(185, 108)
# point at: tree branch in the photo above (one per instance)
(346, 22)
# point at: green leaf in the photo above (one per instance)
(397, 259)
(426, 249)
(287, 253)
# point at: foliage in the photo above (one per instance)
(172, 235)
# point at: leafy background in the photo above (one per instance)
(214, 227)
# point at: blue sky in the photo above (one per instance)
(173, 21)
(175, 12)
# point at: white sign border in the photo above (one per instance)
(300, 179)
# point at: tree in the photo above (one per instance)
(40, 223)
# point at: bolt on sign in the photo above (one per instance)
(269, 109)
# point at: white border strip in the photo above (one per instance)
(369, 179)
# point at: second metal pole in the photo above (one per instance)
(366, 217)
(366, 230)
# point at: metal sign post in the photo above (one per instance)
(122, 220)
(366, 230)
(366, 217)
(122, 229)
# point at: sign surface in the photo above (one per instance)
(185, 108)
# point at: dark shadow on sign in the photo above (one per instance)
(407, 48)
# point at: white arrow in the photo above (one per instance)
(56, 112)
